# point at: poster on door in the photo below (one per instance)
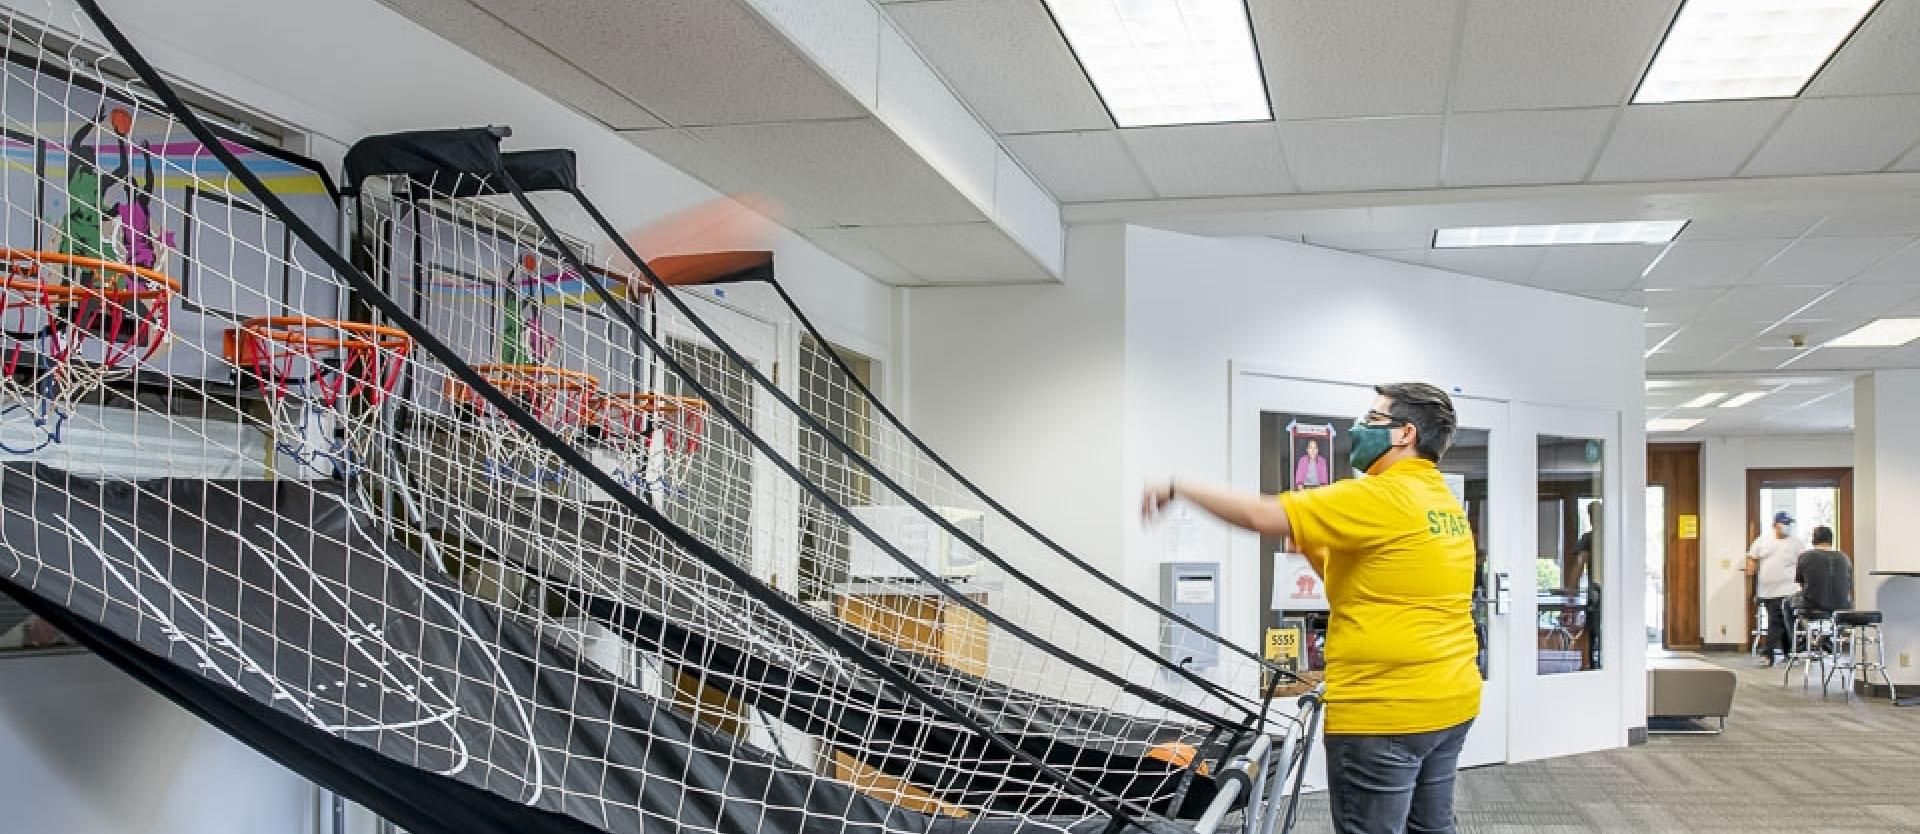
(1296, 585)
(1309, 449)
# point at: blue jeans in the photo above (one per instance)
(1394, 784)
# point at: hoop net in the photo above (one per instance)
(655, 436)
(559, 398)
(85, 321)
(324, 381)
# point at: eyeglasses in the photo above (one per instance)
(1380, 418)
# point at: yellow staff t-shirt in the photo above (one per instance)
(1397, 557)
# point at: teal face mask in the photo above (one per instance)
(1369, 443)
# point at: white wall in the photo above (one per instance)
(338, 70)
(1021, 387)
(85, 750)
(1886, 490)
(1724, 462)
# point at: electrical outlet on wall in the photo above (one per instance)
(1723, 631)
(1906, 660)
(1726, 564)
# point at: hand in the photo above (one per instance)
(1154, 499)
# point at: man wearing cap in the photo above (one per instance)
(1771, 561)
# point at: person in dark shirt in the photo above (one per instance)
(1825, 575)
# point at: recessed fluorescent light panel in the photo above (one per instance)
(1880, 333)
(1167, 62)
(1560, 234)
(1732, 49)
(1669, 424)
(1703, 400)
(1743, 399)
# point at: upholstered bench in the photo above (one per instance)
(1684, 687)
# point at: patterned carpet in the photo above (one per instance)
(1788, 762)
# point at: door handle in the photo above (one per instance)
(1502, 593)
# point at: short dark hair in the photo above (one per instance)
(1429, 409)
(1823, 535)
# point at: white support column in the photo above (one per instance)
(1886, 477)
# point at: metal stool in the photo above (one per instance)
(1860, 650)
(1810, 640)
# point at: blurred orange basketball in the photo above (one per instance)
(724, 224)
(121, 120)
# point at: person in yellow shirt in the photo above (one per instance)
(1397, 556)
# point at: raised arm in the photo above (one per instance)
(1248, 511)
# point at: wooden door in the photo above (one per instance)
(1676, 466)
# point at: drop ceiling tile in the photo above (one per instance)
(1081, 166)
(1679, 305)
(682, 150)
(1674, 363)
(1514, 264)
(1615, 267)
(1878, 59)
(1910, 162)
(856, 172)
(1696, 342)
(858, 254)
(1813, 330)
(1898, 217)
(1364, 154)
(1703, 263)
(1724, 331)
(1828, 260)
(947, 253)
(1526, 54)
(1902, 267)
(1361, 58)
(1748, 304)
(690, 62)
(838, 37)
(1699, 140)
(1008, 60)
(1864, 301)
(1751, 225)
(1524, 146)
(481, 33)
(1748, 361)
(1836, 136)
(1210, 160)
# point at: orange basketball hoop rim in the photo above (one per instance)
(132, 320)
(369, 356)
(632, 414)
(23, 275)
(297, 332)
(556, 395)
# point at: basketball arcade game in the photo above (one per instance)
(521, 528)
(334, 367)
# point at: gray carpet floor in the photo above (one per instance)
(1788, 762)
